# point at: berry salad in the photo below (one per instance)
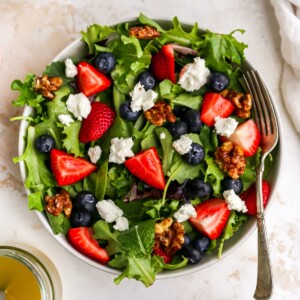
(142, 151)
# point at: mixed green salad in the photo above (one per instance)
(123, 154)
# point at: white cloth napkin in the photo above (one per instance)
(288, 16)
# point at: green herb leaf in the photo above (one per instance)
(59, 224)
(71, 141)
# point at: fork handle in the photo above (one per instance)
(264, 284)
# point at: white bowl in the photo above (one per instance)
(76, 50)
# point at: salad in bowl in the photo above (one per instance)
(138, 148)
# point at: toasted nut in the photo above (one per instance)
(144, 32)
(47, 85)
(58, 203)
(160, 113)
(231, 159)
(169, 236)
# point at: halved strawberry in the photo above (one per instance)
(163, 64)
(249, 197)
(81, 238)
(214, 105)
(212, 216)
(68, 169)
(161, 253)
(97, 122)
(146, 165)
(89, 80)
(247, 136)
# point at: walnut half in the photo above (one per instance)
(47, 85)
(58, 203)
(144, 32)
(160, 113)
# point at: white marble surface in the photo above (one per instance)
(31, 34)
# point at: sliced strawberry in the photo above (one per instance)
(161, 253)
(214, 105)
(212, 216)
(89, 80)
(249, 197)
(146, 166)
(163, 64)
(81, 238)
(247, 136)
(97, 122)
(68, 169)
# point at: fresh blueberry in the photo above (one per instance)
(44, 143)
(232, 184)
(201, 243)
(179, 111)
(126, 112)
(147, 80)
(105, 62)
(187, 240)
(177, 129)
(195, 154)
(218, 81)
(197, 188)
(192, 254)
(192, 119)
(85, 202)
(80, 219)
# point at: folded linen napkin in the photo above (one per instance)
(288, 16)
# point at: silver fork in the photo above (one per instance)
(265, 118)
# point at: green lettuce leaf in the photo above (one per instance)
(59, 224)
(146, 21)
(35, 201)
(71, 142)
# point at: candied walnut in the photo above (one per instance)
(242, 102)
(169, 235)
(144, 32)
(160, 113)
(58, 203)
(47, 85)
(231, 159)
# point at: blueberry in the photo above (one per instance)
(201, 243)
(197, 188)
(147, 80)
(177, 129)
(192, 119)
(85, 202)
(105, 62)
(179, 111)
(187, 240)
(195, 154)
(44, 143)
(80, 219)
(126, 112)
(192, 254)
(218, 81)
(232, 184)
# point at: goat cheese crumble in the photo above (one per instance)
(225, 126)
(79, 105)
(142, 99)
(94, 153)
(109, 211)
(122, 224)
(185, 212)
(183, 145)
(71, 69)
(194, 75)
(234, 202)
(65, 119)
(120, 149)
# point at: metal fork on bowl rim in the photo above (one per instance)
(265, 118)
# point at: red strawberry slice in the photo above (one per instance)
(146, 165)
(161, 253)
(68, 169)
(89, 80)
(249, 197)
(212, 216)
(247, 136)
(214, 105)
(81, 238)
(97, 122)
(163, 64)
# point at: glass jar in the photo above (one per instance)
(23, 273)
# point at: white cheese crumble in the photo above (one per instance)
(94, 153)
(183, 145)
(194, 75)
(79, 105)
(185, 212)
(162, 136)
(109, 211)
(234, 202)
(225, 126)
(121, 224)
(71, 69)
(141, 99)
(120, 149)
(65, 119)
